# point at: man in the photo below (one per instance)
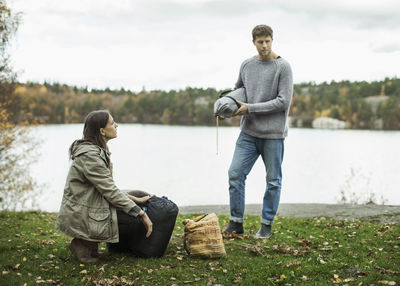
(267, 79)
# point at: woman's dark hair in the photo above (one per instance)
(91, 130)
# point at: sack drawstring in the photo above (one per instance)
(216, 122)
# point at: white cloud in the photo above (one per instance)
(390, 47)
(364, 14)
(179, 43)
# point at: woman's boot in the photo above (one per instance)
(95, 250)
(83, 250)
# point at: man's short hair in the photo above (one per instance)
(262, 30)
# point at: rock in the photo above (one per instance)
(329, 123)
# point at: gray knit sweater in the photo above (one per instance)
(269, 89)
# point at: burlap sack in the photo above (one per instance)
(203, 237)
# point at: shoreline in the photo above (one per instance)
(373, 213)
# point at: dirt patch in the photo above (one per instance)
(372, 213)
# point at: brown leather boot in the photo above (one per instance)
(95, 250)
(83, 250)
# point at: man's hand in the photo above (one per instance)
(141, 200)
(147, 223)
(243, 110)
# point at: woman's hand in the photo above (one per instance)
(141, 200)
(147, 223)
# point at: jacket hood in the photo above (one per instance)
(83, 146)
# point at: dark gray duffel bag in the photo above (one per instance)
(227, 103)
(132, 238)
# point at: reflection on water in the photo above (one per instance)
(181, 163)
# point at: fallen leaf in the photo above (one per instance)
(44, 241)
(291, 250)
(387, 271)
(231, 235)
(39, 280)
(385, 282)
(305, 241)
(102, 268)
(100, 281)
(255, 249)
(294, 263)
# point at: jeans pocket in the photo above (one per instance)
(99, 224)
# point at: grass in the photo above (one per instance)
(301, 252)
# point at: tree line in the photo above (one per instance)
(363, 105)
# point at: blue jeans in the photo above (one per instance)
(247, 151)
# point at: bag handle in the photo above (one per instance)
(226, 91)
(237, 103)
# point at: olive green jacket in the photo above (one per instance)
(88, 208)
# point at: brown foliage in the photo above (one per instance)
(16, 145)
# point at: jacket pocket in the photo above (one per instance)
(99, 224)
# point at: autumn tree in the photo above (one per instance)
(16, 145)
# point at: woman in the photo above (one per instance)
(89, 206)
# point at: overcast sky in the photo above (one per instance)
(173, 44)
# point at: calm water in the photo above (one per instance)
(181, 163)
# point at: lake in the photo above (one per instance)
(181, 163)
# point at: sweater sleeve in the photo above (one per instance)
(99, 175)
(282, 101)
(239, 82)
